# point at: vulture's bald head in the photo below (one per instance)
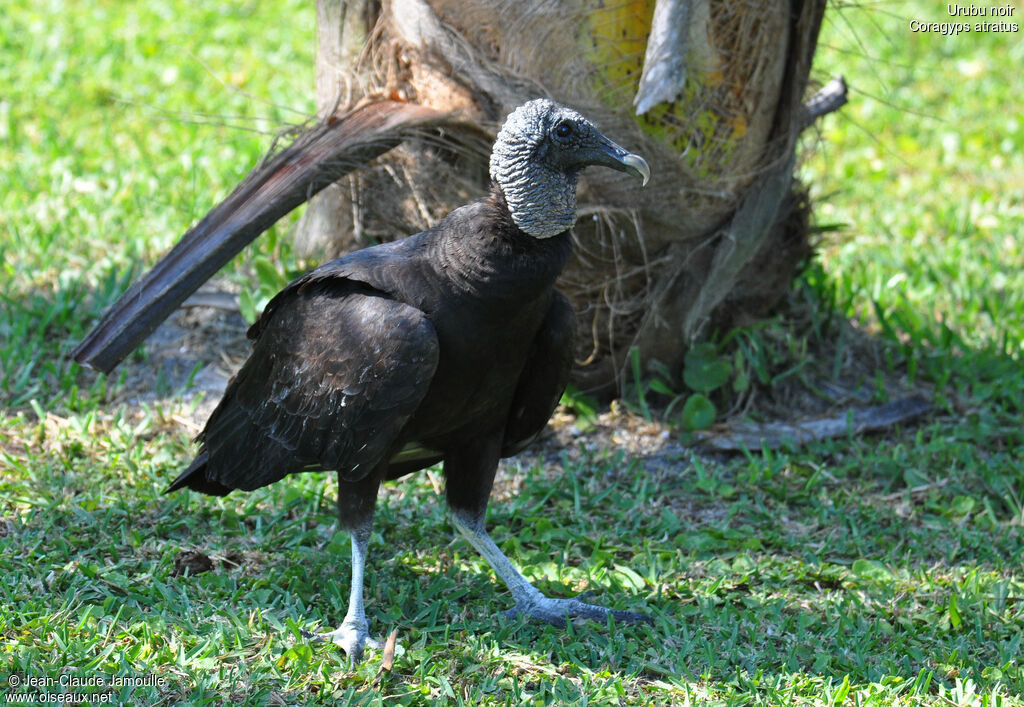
(540, 151)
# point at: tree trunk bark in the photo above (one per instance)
(342, 30)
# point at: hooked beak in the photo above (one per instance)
(609, 154)
(637, 166)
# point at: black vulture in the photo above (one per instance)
(449, 346)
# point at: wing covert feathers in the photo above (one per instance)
(333, 377)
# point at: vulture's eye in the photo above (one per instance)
(564, 129)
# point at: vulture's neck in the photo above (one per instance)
(487, 252)
(541, 201)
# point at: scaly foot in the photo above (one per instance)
(556, 611)
(352, 636)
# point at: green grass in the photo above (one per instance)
(883, 570)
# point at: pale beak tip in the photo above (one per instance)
(638, 166)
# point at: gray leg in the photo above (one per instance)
(353, 634)
(529, 600)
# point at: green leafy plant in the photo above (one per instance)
(582, 405)
(704, 371)
(710, 371)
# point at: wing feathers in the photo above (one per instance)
(543, 378)
(333, 377)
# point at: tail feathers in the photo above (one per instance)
(194, 477)
(319, 157)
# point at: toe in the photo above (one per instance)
(353, 638)
(557, 611)
(630, 617)
(601, 614)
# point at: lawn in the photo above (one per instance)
(874, 570)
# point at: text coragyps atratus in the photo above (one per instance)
(451, 345)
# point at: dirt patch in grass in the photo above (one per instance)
(187, 362)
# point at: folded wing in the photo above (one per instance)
(336, 371)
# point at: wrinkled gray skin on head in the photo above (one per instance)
(536, 170)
